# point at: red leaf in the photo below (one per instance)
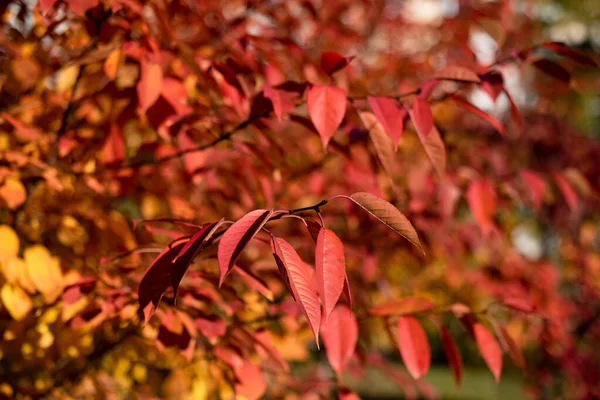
(156, 280)
(492, 83)
(489, 349)
(332, 62)
(479, 112)
(452, 354)
(326, 106)
(567, 191)
(385, 212)
(211, 327)
(331, 269)
(568, 52)
(514, 110)
(250, 384)
(407, 305)
(381, 142)
(173, 90)
(435, 149)
(283, 102)
(150, 84)
(114, 147)
(236, 238)
(552, 69)
(414, 347)
(519, 304)
(299, 282)
(390, 115)
(482, 201)
(457, 73)
(536, 186)
(421, 116)
(340, 334)
(189, 251)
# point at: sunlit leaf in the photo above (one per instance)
(489, 348)
(327, 107)
(414, 346)
(331, 269)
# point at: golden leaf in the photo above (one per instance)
(13, 192)
(17, 302)
(10, 243)
(44, 271)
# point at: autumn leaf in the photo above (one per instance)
(452, 354)
(340, 334)
(457, 73)
(536, 186)
(434, 149)
(13, 193)
(566, 51)
(381, 142)
(414, 347)
(45, 272)
(283, 101)
(566, 189)
(421, 116)
(552, 69)
(332, 62)
(407, 305)
(288, 260)
(17, 302)
(331, 269)
(236, 238)
(482, 201)
(489, 349)
(479, 112)
(326, 107)
(511, 347)
(385, 212)
(150, 84)
(10, 243)
(390, 115)
(114, 146)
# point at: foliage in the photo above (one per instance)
(194, 199)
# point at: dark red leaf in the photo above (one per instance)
(327, 107)
(536, 186)
(566, 51)
(492, 83)
(332, 62)
(237, 237)
(552, 69)
(283, 102)
(414, 347)
(452, 354)
(482, 201)
(567, 191)
(511, 347)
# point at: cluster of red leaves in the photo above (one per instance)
(123, 110)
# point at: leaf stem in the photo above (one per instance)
(316, 207)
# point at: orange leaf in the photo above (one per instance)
(340, 334)
(13, 192)
(482, 201)
(326, 107)
(150, 84)
(331, 269)
(414, 346)
(489, 349)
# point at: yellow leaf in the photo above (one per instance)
(44, 271)
(66, 77)
(113, 62)
(17, 302)
(10, 243)
(13, 192)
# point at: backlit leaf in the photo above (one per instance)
(479, 112)
(385, 212)
(332, 62)
(340, 334)
(482, 201)
(435, 150)
(331, 269)
(10, 243)
(44, 271)
(414, 347)
(16, 301)
(326, 107)
(407, 305)
(457, 73)
(237, 237)
(13, 193)
(150, 84)
(283, 101)
(452, 354)
(381, 142)
(489, 348)
(421, 116)
(288, 260)
(390, 115)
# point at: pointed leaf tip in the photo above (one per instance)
(326, 107)
(331, 269)
(385, 212)
(414, 347)
(237, 237)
